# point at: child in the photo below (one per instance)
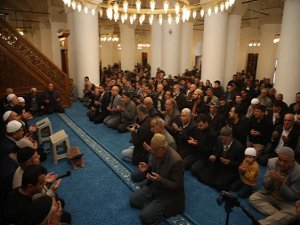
(249, 171)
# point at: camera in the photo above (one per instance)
(228, 198)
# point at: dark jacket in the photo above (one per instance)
(171, 188)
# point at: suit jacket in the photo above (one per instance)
(105, 102)
(293, 137)
(181, 101)
(235, 154)
(171, 186)
(290, 189)
(142, 135)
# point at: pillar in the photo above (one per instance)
(156, 47)
(288, 70)
(171, 50)
(84, 48)
(46, 40)
(267, 51)
(106, 52)
(56, 53)
(186, 55)
(232, 46)
(128, 46)
(214, 47)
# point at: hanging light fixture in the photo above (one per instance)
(183, 8)
(160, 19)
(152, 5)
(170, 19)
(276, 39)
(125, 6)
(166, 6)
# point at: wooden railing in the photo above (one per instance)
(23, 66)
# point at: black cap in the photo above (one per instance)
(24, 154)
(38, 211)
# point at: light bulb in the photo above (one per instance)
(177, 8)
(79, 7)
(151, 19)
(222, 7)
(170, 19)
(166, 6)
(177, 18)
(209, 11)
(160, 19)
(152, 5)
(93, 12)
(216, 9)
(125, 6)
(202, 12)
(101, 12)
(116, 7)
(138, 4)
(194, 14)
(73, 5)
(86, 10)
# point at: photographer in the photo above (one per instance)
(281, 189)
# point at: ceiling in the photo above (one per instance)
(26, 14)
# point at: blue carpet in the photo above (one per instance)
(98, 194)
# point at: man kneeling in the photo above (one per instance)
(163, 196)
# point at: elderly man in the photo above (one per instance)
(51, 100)
(163, 196)
(281, 189)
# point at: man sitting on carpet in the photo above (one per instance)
(163, 196)
(281, 189)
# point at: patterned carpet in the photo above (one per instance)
(98, 194)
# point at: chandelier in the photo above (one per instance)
(276, 39)
(254, 44)
(109, 37)
(122, 10)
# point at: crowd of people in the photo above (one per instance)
(222, 135)
(27, 191)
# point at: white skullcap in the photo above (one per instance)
(33, 89)
(250, 151)
(10, 97)
(254, 101)
(6, 115)
(13, 126)
(21, 99)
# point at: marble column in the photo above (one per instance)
(171, 48)
(156, 47)
(56, 53)
(214, 47)
(267, 51)
(288, 70)
(84, 47)
(232, 46)
(106, 51)
(186, 56)
(46, 40)
(128, 46)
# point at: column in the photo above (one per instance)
(171, 48)
(84, 47)
(36, 38)
(128, 46)
(267, 51)
(56, 53)
(156, 47)
(232, 46)
(214, 47)
(46, 40)
(288, 70)
(106, 51)
(186, 56)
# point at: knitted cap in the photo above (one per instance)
(6, 115)
(250, 151)
(10, 97)
(13, 126)
(38, 211)
(254, 101)
(25, 154)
